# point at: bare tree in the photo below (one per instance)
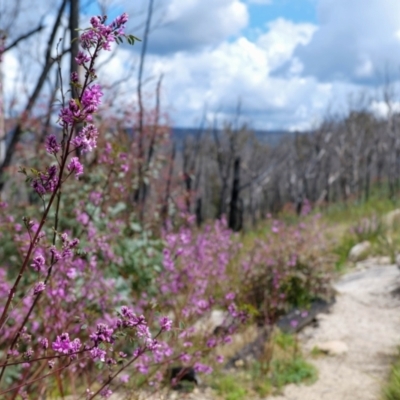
(49, 61)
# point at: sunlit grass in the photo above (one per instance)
(282, 363)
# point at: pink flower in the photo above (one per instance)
(39, 287)
(38, 263)
(52, 147)
(166, 324)
(75, 166)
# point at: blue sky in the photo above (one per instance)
(286, 61)
(294, 10)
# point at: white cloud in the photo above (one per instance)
(218, 76)
(282, 39)
(194, 24)
(356, 40)
(381, 108)
(285, 77)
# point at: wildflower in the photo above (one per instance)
(106, 393)
(44, 343)
(52, 146)
(86, 139)
(46, 182)
(185, 357)
(230, 296)
(13, 352)
(91, 98)
(38, 263)
(56, 256)
(103, 334)
(39, 287)
(198, 367)
(75, 166)
(82, 58)
(98, 354)
(62, 344)
(166, 324)
(28, 354)
(74, 77)
(220, 359)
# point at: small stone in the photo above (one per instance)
(398, 260)
(373, 262)
(392, 218)
(332, 348)
(211, 322)
(359, 251)
(239, 363)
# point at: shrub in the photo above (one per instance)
(290, 268)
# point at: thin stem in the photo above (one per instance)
(35, 380)
(111, 377)
(52, 357)
(42, 222)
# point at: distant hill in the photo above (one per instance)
(269, 137)
(272, 137)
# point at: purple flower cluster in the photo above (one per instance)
(86, 139)
(82, 110)
(46, 182)
(103, 334)
(39, 287)
(38, 263)
(52, 146)
(64, 345)
(282, 267)
(75, 167)
(101, 34)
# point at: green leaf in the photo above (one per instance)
(135, 227)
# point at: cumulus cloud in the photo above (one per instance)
(285, 74)
(191, 25)
(242, 70)
(381, 108)
(356, 41)
(282, 38)
(218, 76)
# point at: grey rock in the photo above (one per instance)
(333, 348)
(359, 251)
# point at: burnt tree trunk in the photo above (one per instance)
(236, 211)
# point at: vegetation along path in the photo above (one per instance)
(353, 346)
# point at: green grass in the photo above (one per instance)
(296, 370)
(341, 217)
(391, 390)
(230, 388)
(353, 210)
(265, 377)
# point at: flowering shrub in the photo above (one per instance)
(67, 275)
(195, 282)
(290, 268)
(45, 323)
(367, 229)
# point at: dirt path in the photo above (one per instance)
(366, 320)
